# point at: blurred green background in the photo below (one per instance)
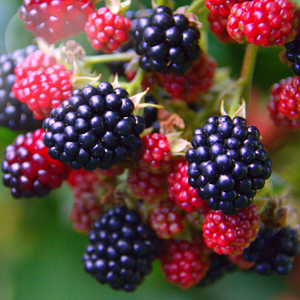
(40, 254)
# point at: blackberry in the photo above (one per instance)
(150, 113)
(218, 267)
(117, 66)
(293, 54)
(28, 169)
(167, 43)
(94, 128)
(14, 114)
(121, 249)
(273, 251)
(227, 163)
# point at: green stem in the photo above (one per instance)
(246, 77)
(136, 82)
(195, 6)
(96, 59)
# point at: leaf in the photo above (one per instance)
(177, 145)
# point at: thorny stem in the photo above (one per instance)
(246, 78)
(195, 6)
(109, 58)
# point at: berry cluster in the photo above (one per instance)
(94, 128)
(29, 170)
(227, 163)
(155, 173)
(273, 251)
(121, 250)
(167, 42)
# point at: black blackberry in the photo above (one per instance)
(273, 251)
(293, 54)
(150, 113)
(119, 67)
(14, 114)
(94, 128)
(218, 267)
(167, 43)
(227, 163)
(122, 249)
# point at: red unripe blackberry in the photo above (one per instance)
(166, 220)
(198, 79)
(231, 234)
(146, 185)
(240, 262)
(156, 155)
(227, 163)
(106, 30)
(264, 22)
(14, 114)
(281, 112)
(86, 204)
(179, 189)
(273, 250)
(29, 170)
(185, 263)
(33, 62)
(219, 266)
(44, 89)
(218, 26)
(55, 20)
(167, 43)
(221, 7)
(121, 249)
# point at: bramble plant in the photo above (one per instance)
(161, 158)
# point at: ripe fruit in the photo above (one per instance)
(14, 114)
(273, 251)
(179, 190)
(156, 155)
(44, 89)
(185, 263)
(94, 128)
(166, 220)
(227, 163)
(121, 249)
(55, 20)
(292, 54)
(264, 22)
(198, 79)
(106, 30)
(29, 170)
(166, 42)
(219, 266)
(231, 234)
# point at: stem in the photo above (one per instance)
(248, 69)
(195, 5)
(110, 57)
(136, 82)
(246, 77)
